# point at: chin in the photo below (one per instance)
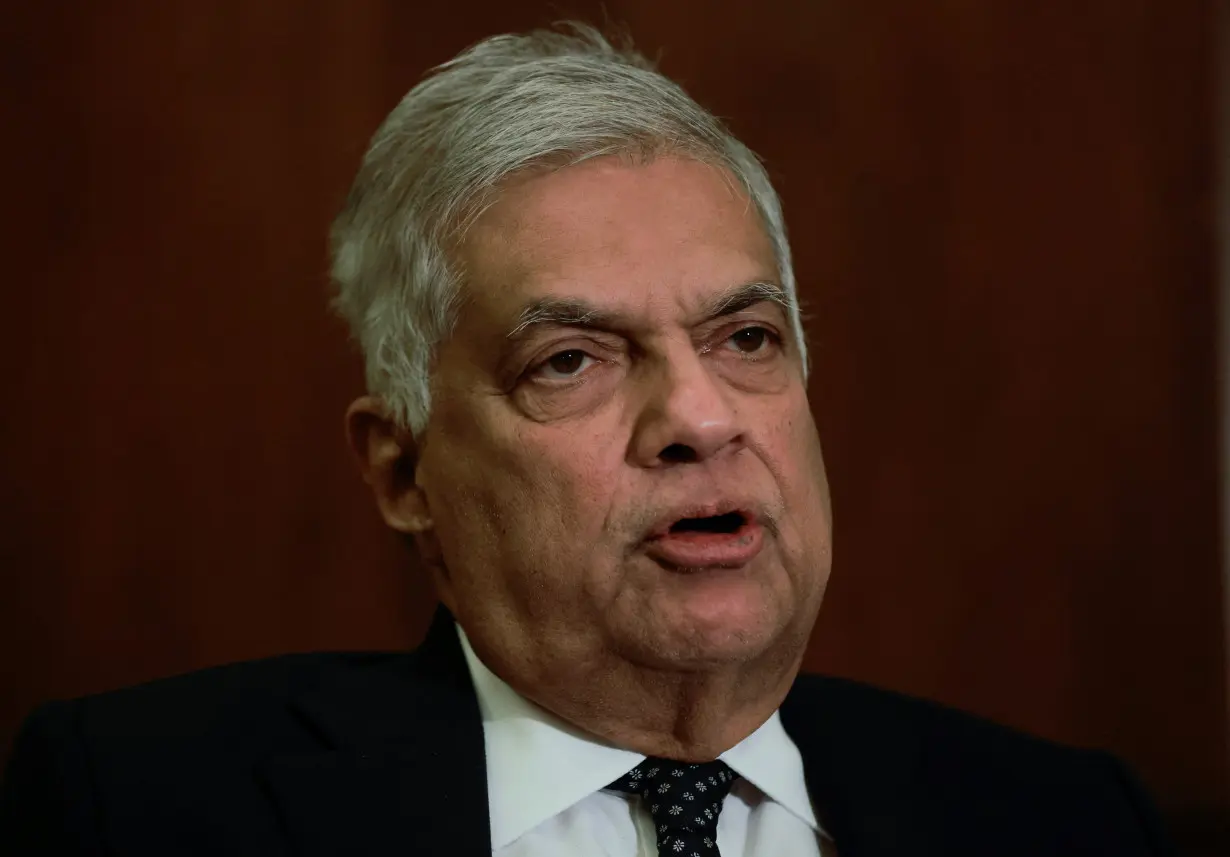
(692, 642)
(705, 657)
(707, 618)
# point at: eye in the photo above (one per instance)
(564, 365)
(753, 341)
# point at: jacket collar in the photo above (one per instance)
(402, 769)
(862, 765)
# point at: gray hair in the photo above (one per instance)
(508, 104)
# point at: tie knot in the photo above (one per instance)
(684, 800)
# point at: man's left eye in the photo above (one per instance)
(752, 340)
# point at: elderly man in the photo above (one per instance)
(587, 407)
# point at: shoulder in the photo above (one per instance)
(179, 748)
(942, 745)
(854, 708)
(991, 775)
(234, 705)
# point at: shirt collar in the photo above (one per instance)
(770, 761)
(538, 765)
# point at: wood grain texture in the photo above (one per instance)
(1002, 218)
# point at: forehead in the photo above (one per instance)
(656, 238)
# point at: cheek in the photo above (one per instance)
(564, 496)
(528, 501)
(799, 469)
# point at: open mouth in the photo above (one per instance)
(728, 540)
(729, 523)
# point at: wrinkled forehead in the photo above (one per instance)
(660, 241)
(512, 313)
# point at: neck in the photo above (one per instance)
(690, 716)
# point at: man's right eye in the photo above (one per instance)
(564, 365)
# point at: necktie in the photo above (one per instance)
(684, 801)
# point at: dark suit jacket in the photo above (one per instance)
(382, 754)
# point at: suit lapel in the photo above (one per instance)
(402, 770)
(863, 769)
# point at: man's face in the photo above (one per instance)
(621, 462)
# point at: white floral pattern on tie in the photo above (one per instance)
(676, 832)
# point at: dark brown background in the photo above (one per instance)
(1002, 215)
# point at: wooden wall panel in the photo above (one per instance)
(1002, 217)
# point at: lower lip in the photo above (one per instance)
(708, 550)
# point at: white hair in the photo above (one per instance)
(508, 104)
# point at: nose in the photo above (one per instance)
(687, 416)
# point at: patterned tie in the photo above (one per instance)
(684, 800)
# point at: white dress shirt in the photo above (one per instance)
(547, 797)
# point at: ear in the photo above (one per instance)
(387, 456)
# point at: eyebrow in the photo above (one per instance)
(573, 312)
